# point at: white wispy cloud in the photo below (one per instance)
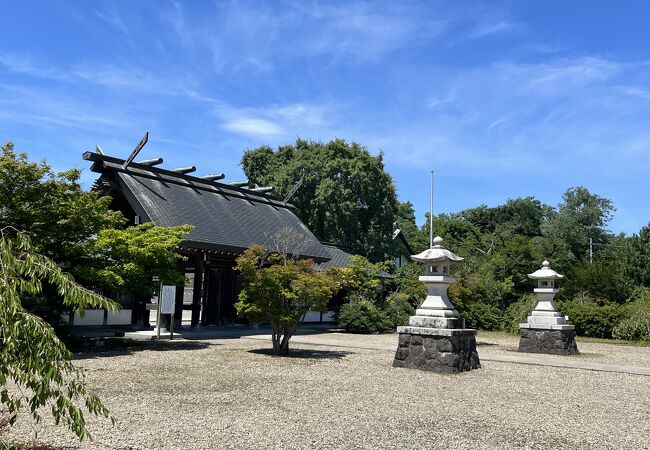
(113, 18)
(509, 115)
(278, 121)
(114, 77)
(255, 35)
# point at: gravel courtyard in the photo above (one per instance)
(229, 393)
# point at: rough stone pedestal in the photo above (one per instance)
(553, 342)
(437, 350)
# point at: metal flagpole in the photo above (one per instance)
(431, 213)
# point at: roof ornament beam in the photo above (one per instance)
(295, 188)
(184, 170)
(262, 189)
(136, 150)
(98, 149)
(150, 162)
(239, 183)
(213, 177)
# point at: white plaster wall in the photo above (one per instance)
(122, 317)
(93, 317)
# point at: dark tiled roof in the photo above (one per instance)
(224, 217)
(338, 257)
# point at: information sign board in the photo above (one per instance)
(167, 299)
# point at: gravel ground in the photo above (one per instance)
(500, 343)
(225, 393)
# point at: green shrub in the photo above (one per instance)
(590, 318)
(518, 312)
(633, 328)
(361, 317)
(397, 310)
(407, 282)
(636, 324)
(481, 316)
(365, 317)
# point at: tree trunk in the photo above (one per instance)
(275, 337)
(280, 337)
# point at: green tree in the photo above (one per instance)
(637, 257)
(581, 215)
(128, 259)
(51, 207)
(522, 216)
(406, 222)
(361, 280)
(598, 280)
(346, 197)
(56, 213)
(279, 290)
(31, 355)
(407, 282)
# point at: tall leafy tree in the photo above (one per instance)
(406, 222)
(52, 208)
(581, 215)
(346, 197)
(31, 354)
(637, 257)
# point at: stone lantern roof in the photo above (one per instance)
(545, 273)
(438, 253)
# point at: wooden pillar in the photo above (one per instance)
(206, 291)
(178, 306)
(199, 269)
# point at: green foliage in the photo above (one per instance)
(56, 213)
(279, 291)
(481, 316)
(636, 324)
(518, 312)
(397, 309)
(591, 318)
(514, 260)
(366, 317)
(346, 197)
(51, 207)
(362, 317)
(581, 215)
(32, 355)
(478, 286)
(600, 279)
(521, 216)
(406, 222)
(637, 257)
(407, 283)
(361, 280)
(129, 259)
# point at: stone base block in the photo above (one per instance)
(436, 322)
(553, 342)
(438, 353)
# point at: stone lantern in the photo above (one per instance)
(436, 338)
(546, 330)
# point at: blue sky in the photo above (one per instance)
(502, 99)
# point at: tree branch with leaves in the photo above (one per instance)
(32, 358)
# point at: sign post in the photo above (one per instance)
(167, 305)
(158, 317)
